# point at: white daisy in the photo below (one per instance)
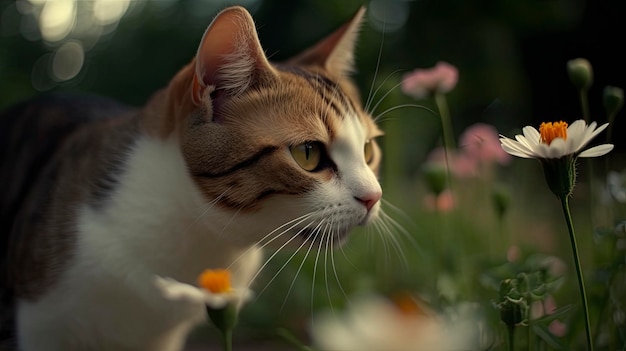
(214, 290)
(556, 140)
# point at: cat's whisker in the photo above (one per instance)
(346, 256)
(395, 224)
(327, 237)
(286, 262)
(384, 234)
(387, 235)
(297, 221)
(370, 96)
(316, 262)
(382, 98)
(422, 107)
(278, 271)
(232, 218)
(334, 266)
(293, 281)
(208, 207)
(367, 106)
(276, 252)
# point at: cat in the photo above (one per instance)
(98, 198)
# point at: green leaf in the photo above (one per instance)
(558, 313)
(545, 334)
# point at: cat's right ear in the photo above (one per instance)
(230, 56)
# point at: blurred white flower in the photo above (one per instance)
(375, 323)
(616, 186)
(214, 290)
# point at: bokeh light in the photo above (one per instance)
(68, 28)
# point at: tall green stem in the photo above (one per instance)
(511, 333)
(448, 139)
(446, 122)
(439, 250)
(579, 273)
(584, 104)
(227, 338)
(448, 145)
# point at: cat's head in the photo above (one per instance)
(280, 148)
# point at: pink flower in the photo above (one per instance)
(482, 143)
(443, 202)
(422, 83)
(548, 307)
(557, 328)
(513, 254)
(460, 165)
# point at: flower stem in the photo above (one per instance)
(511, 333)
(285, 334)
(438, 264)
(448, 140)
(448, 145)
(584, 104)
(581, 282)
(227, 338)
(446, 123)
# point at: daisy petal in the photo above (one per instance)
(541, 151)
(216, 301)
(515, 148)
(556, 149)
(174, 290)
(522, 147)
(592, 134)
(597, 151)
(571, 144)
(512, 151)
(584, 138)
(576, 129)
(524, 143)
(532, 135)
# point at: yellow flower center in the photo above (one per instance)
(550, 131)
(215, 280)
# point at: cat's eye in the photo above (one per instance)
(368, 151)
(307, 155)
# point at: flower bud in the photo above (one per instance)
(512, 305)
(500, 197)
(613, 98)
(580, 73)
(435, 177)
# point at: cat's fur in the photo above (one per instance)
(98, 198)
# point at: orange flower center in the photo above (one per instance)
(550, 131)
(215, 280)
(407, 305)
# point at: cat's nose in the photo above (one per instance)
(370, 199)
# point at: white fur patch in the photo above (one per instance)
(157, 223)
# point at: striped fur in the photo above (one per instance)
(99, 198)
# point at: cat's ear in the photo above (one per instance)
(230, 56)
(335, 53)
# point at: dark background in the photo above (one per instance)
(511, 54)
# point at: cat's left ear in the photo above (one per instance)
(335, 53)
(230, 56)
